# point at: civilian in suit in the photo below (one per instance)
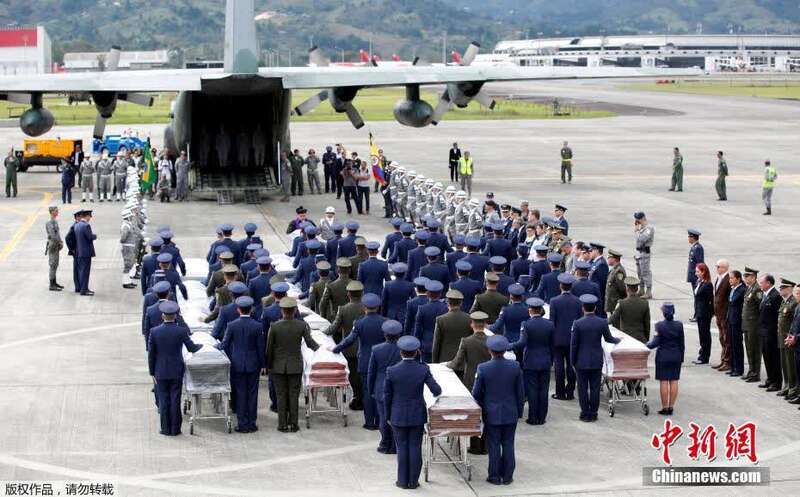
(85, 251)
(564, 310)
(768, 329)
(406, 409)
(669, 340)
(536, 341)
(703, 311)
(165, 362)
(734, 319)
(384, 355)
(452, 160)
(498, 389)
(722, 289)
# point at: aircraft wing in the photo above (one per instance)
(155, 80)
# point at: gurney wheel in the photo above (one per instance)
(469, 473)
(426, 472)
(611, 411)
(645, 409)
(191, 428)
(308, 422)
(344, 420)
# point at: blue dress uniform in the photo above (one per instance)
(435, 270)
(599, 275)
(548, 285)
(499, 246)
(250, 255)
(437, 238)
(520, 265)
(307, 266)
(469, 288)
(244, 344)
(332, 245)
(396, 294)
(384, 355)
(228, 313)
(402, 247)
(171, 276)
(586, 353)
(84, 239)
(498, 267)
(72, 249)
(165, 362)
(259, 286)
(564, 310)
(310, 232)
(452, 259)
(251, 238)
(561, 220)
(539, 267)
(392, 238)
(152, 318)
(479, 262)
(511, 317)
(347, 245)
(416, 256)
(149, 263)
(373, 272)
(368, 332)
(406, 410)
(233, 245)
(735, 337)
(669, 340)
(169, 247)
(498, 390)
(425, 320)
(696, 256)
(413, 305)
(536, 340)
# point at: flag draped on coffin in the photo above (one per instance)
(374, 157)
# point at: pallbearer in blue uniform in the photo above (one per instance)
(425, 320)
(499, 391)
(536, 342)
(165, 362)
(413, 305)
(259, 286)
(392, 238)
(564, 310)
(249, 258)
(368, 332)
(583, 284)
(384, 355)
(233, 246)
(244, 344)
(250, 238)
(511, 317)
(520, 265)
(152, 314)
(469, 288)
(479, 262)
(539, 267)
(437, 238)
(406, 409)
(453, 257)
(310, 233)
(435, 269)
(498, 265)
(332, 246)
(347, 245)
(402, 247)
(586, 353)
(149, 262)
(373, 272)
(599, 275)
(548, 285)
(416, 256)
(307, 266)
(498, 245)
(169, 247)
(171, 275)
(397, 293)
(669, 340)
(229, 312)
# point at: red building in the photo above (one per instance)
(25, 50)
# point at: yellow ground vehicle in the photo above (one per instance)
(47, 152)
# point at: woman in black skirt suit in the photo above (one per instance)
(669, 339)
(703, 311)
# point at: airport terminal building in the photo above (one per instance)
(714, 53)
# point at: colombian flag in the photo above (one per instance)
(149, 176)
(377, 167)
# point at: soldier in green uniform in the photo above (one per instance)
(785, 317)
(341, 327)
(335, 294)
(722, 172)
(677, 172)
(566, 163)
(12, 164)
(632, 314)
(361, 255)
(53, 247)
(615, 284)
(318, 287)
(285, 362)
(450, 328)
(491, 301)
(750, 316)
(471, 352)
(217, 278)
(222, 295)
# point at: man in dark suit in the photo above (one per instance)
(768, 329)
(406, 409)
(452, 160)
(384, 355)
(84, 239)
(536, 343)
(498, 389)
(244, 343)
(734, 318)
(564, 310)
(722, 290)
(586, 353)
(165, 362)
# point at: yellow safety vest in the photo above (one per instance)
(769, 177)
(465, 166)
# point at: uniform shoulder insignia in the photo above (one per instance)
(620, 276)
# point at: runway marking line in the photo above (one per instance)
(25, 227)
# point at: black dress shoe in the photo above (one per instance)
(698, 362)
(753, 379)
(773, 389)
(412, 486)
(241, 430)
(558, 397)
(782, 393)
(665, 411)
(399, 485)
(508, 482)
(283, 429)
(764, 385)
(88, 293)
(794, 400)
(294, 428)
(493, 481)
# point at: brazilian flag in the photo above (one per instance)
(150, 175)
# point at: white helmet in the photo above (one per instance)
(401, 170)
(420, 177)
(429, 182)
(438, 185)
(393, 164)
(474, 202)
(450, 189)
(412, 173)
(461, 194)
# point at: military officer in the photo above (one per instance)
(396, 293)
(498, 389)
(599, 274)
(306, 268)
(244, 344)
(539, 266)
(437, 238)
(53, 247)
(165, 264)
(332, 244)
(449, 329)
(384, 355)
(677, 171)
(615, 282)
(366, 332)
(120, 167)
(469, 288)
(498, 266)
(392, 238)
(548, 284)
(87, 172)
(564, 310)
(752, 340)
(435, 269)
(150, 262)
(404, 246)
(169, 247)
(511, 317)
(165, 362)
(222, 294)
(520, 265)
(129, 240)
(250, 237)
(250, 256)
(413, 305)
(258, 285)
(152, 316)
(586, 353)
(722, 172)
(347, 245)
(416, 256)
(632, 314)
(228, 312)
(696, 256)
(478, 261)
(106, 171)
(491, 301)
(499, 245)
(318, 287)
(558, 215)
(84, 249)
(425, 319)
(285, 362)
(644, 237)
(582, 283)
(785, 318)
(343, 323)
(335, 294)
(373, 271)
(536, 341)
(566, 163)
(406, 409)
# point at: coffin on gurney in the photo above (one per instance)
(454, 412)
(627, 360)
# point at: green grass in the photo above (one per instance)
(733, 88)
(373, 104)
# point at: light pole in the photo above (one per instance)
(444, 47)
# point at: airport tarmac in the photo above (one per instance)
(76, 401)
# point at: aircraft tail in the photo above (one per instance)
(241, 46)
